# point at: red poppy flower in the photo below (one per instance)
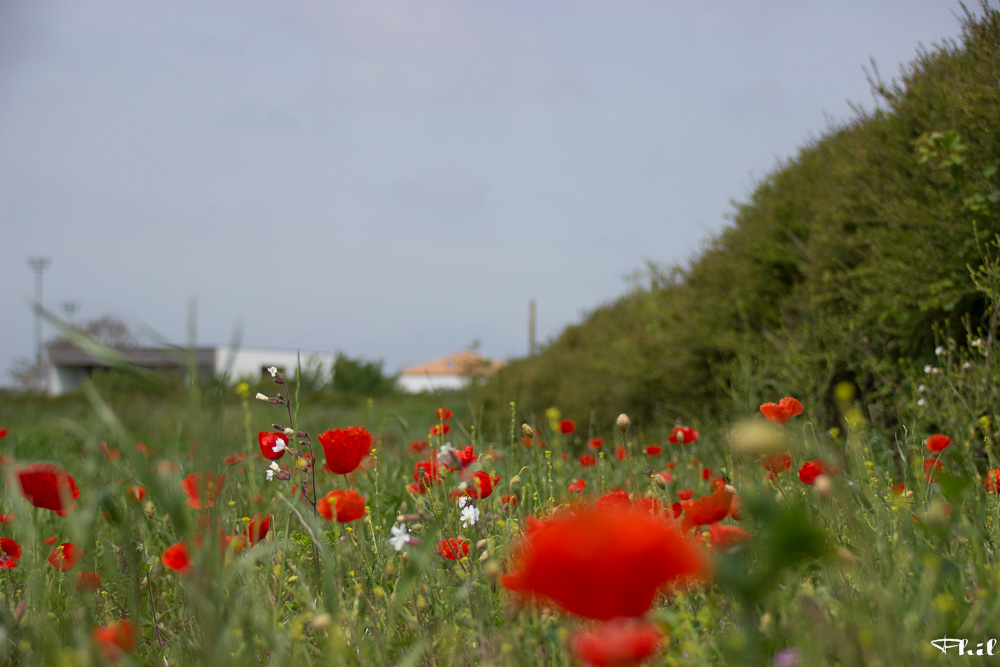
(721, 536)
(65, 556)
(707, 509)
(775, 463)
(930, 467)
(650, 505)
(443, 414)
(620, 453)
(10, 553)
(136, 493)
(344, 506)
(142, 448)
(3, 433)
(677, 509)
(453, 548)
(49, 541)
(566, 427)
(614, 499)
(419, 445)
(683, 435)
(671, 465)
(706, 473)
(115, 640)
(258, 528)
(87, 581)
(234, 458)
(782, 411)
(899, 488)
(596, 443)
(602, 563)
(425, 474)
(272, 445)
(615, 643)
(440, 429)
(577, 486)
(109, 454)
(685, 494)
(810, 470)
(202, 488)
(466, 457)
(481, 485)
(176, 557)
(993, 481)
(508, 500)
(653, 450)
(588, 461)
(48, 487)
(7, 519)
(937, 443)
(345, 448)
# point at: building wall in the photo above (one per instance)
(241, 362)
(416, 384)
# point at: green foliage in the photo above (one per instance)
(359, 376)
(835, 268)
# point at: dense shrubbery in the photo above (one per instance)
(837, 268)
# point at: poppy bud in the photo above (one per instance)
(424, 590)
(623, 422)
(515, 483)
(301, 434)
(149, 510)
(491, 570)
(421, 603)
(390, 569)
(730, 488)
(274, 401)
(283, 475)
(481, 544)
(824, 486)
(484, 556)
(278, 427)
(279, 378)
(527, 431)
(659, 480)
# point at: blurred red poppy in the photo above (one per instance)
(653, 450)
(588, 461)
(87, 581)
(481, 484)
(930, 467)
(202, 488)
(899, 488)
(453, 548)
(136, 493)
(722, 536)
(176, 557)
(577, 486)
(810, 470)
(48, 487)
(344, 506)
(706, 473)
(345, 448)
(65, 556)
(937, 442)
(440, 429)
(615, 643)
(7, 519)
(614, 499)
(508, 500)
(258, 528)
(775, 463)
(115, 640)
(685, 494)
(596, 443)
(234, 458)
(782, 411)
(3, 433)
(707, 509)
(683, 435)
(566, 427)
(419, 445)
(993, 481)
(620, 453)
(602, 563)
(443, 414)
(425, 474)
(10, 553)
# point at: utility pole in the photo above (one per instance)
(532, 347)
(38, 265)
(70, 308)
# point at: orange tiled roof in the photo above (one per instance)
(465, 362)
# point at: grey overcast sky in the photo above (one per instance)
(397, 179)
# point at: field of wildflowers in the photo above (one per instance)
(258, 527)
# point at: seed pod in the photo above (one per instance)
(623, 422)
(527, 431)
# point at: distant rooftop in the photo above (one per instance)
(465, 362)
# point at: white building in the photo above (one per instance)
(70, 366)
(449, 373)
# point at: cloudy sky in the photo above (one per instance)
(397, 179)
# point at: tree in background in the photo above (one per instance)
(359, 376)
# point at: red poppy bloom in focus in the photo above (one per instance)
(466, 456)
(345, 448)
(234, 458)
(602, 563)
(419, 445)
(258, 528)
(782, 411)
(65, 556)
(685, 494)
(203, 488)
(10, 553)
(481, 485)
(653, 450)
(136, 493)
(721, 536)
(930, 467)
(566, 427)
(937, 442)
(115, 640)
(443, 414)
(272, 445)
(775, 463)
(87, 581)
(707, 509)
(683, 435)
(344, 506)
(577, 486)
(440, 429)
(453, 548)
(588, 461)
(810, 470)
(176, 557)
(993, 481)
(424, 475)
(48, 487)
(596, 443)
(615, 643)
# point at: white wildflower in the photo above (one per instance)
(271, 469)
(470, 515)
(922, 403)
(400, 538)
(966, 366)
(273, 370)
(978, 343)
(940, 350)
(463, 501)
(922, 389)
(261, 397)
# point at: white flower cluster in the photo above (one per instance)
(400, 538)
